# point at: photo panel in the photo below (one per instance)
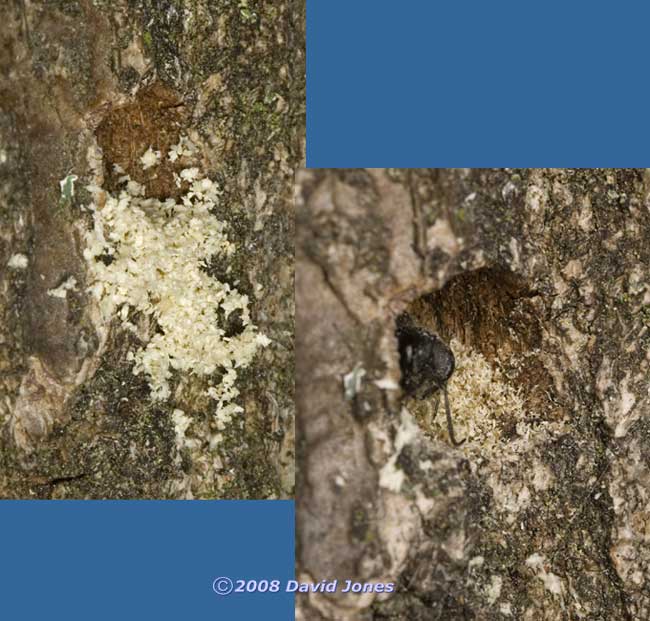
(472, 384)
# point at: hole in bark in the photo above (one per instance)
(153, 119)
(233, 325)
(500, 387)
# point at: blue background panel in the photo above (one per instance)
(80, 560)
(475, 83)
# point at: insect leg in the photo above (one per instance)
(450, 425)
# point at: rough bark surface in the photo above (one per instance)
(547, 515)
(120, 76)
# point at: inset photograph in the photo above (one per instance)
(472, 353)
(147, 157)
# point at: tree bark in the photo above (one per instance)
(81, 78)
(540, 279)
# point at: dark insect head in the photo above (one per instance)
(427, 363)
